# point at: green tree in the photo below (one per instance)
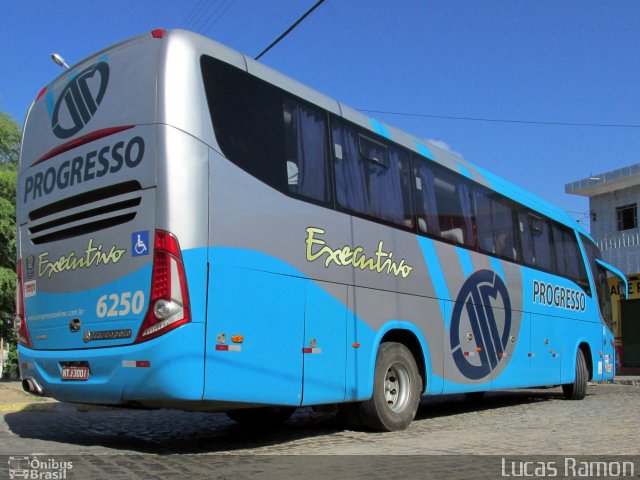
(9, 152)
(9, 141)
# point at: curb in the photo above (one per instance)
(50, 407)
(28, 407)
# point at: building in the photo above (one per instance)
(613, 214)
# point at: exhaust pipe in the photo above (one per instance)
(30, 385)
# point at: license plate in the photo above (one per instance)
(75, 373)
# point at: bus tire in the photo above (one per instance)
(264, 417)
(578, 389)
(396, 390)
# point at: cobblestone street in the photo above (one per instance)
(509, 423)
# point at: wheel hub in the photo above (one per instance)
(397, 387)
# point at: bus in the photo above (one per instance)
(198, 231)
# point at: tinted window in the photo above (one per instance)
(569, 260)
(495, 224)
(271, 135)
(307, 151)
(248, 121)
(425, 198)
(453, 203)
(535, 232)
(371, 175)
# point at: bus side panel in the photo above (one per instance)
(518, 371)
(486, 330)
(561, 317)
(267, 311)
(325, 343)
(546, 348)
(359, 373)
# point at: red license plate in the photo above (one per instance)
(75, 373)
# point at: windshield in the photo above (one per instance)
(601, 280)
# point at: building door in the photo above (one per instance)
(630, 333)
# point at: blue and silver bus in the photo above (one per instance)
(198, 231)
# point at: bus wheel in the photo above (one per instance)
(396, 390)
(578, 389)
(261, 417)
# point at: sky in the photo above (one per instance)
(549, 61)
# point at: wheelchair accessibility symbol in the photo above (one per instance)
(140, 243)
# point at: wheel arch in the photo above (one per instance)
(588, 357)
(411, 337)
(569, 366)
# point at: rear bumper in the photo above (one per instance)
(119, 375)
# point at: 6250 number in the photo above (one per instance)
(120, 305)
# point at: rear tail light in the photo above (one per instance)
(20, 322)
(169, 298)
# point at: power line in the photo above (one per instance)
(288, 30)
(215, 15)
(219, 17)
(205, 19)
(504, 120)
(193, 14)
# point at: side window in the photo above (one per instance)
(453, 203)
(371, 176)
(307, 151)
(495, 224)
(279, 140)
(535, 232)
(247, 120)
(559, 245)
(425, 197)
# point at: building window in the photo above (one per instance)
(627, 217)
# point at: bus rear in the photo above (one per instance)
(103, 307)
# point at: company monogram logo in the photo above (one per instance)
(482, 291)
(79, 100)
